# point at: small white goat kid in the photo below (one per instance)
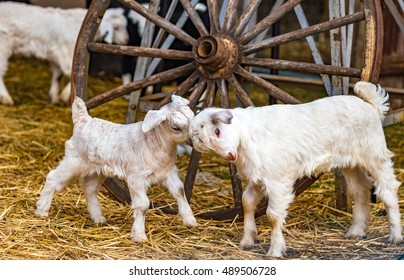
(142, 153)
(50, 34)
(273, 146)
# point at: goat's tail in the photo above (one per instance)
(79, 111)
(375, 95)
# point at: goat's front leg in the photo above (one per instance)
(279, 197)
(140, 203)
(176, 188)
(251, 197)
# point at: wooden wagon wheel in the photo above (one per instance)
(221, 57)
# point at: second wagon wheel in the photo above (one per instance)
(222, 57)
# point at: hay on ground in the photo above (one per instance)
(32, 136)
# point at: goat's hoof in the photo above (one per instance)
(6, 100)
(395, 239)
(247, 243)
(190, 222)
(41, 213)
(99, 220)
(354, 233)
(140, 239)
(274, 253)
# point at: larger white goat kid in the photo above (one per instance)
(142, 153)
(273, 146)
(50, 34)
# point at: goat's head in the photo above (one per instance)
(113, 27)
(211, 131)
(173, 118)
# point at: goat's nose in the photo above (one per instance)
(231, 157)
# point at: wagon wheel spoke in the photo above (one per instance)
(268, 21)
(224, 94)
(210, 94)
(240, 92)
(213, 16)
(159, 21)
(267, 86)
(230, 16)
(197, 93)
(161, 77)
(279, 64)
(303, 33)
(181, 89)
(195, 18)
(140, 51)
(242, 22)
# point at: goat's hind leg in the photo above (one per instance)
(358, 187)
(92, 185)
(54, 88)
(251, 197)
(5, 97)
(386, 189)
(279, 197)
(56, 180)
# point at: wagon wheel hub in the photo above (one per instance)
(215, 56)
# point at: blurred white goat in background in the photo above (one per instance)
(50, 34)
(142, 153)
(273, 146)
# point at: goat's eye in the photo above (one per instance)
(176, 128)
(217, 132)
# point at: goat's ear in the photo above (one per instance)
(106, 31)
(224, 116)
(152, 119)
(179, 99)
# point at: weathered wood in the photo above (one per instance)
(279, 64)
(193, 15)
(181, 89)
(302, 33)
(230, 16)
(197, 93)
(240, 92)
(335, 42)
(243, 20)
(141, 65)
(81, 56)
(162, 77)
(373, 41)
(224, 94)
(139, 51)
(213, 16)
(313, 47)
(191, 173)
(159, 21)
(268, 21)
(267, 86)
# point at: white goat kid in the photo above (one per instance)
(50, 34)
(142, 153)
(273, 146)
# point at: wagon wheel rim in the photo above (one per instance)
(219, 58)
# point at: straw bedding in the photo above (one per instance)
(32, 136)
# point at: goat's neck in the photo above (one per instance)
(157, 141)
